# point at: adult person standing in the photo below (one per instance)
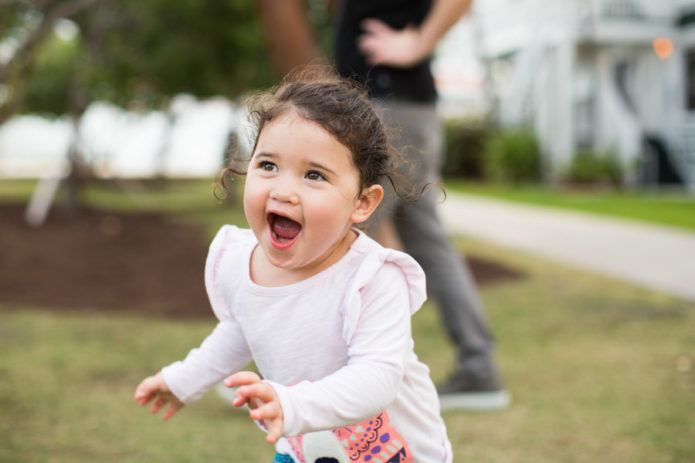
(386, 44)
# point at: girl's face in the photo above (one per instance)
(301, 195)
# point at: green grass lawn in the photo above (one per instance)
(664, 208)
(599, 371)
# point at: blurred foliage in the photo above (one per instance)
(476, 150)
(594, 168)
(512, 155)
(46, 90)
(465, 143)
(150, 50)
(320, 14)
(136, 53)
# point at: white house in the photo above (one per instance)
(597, 74)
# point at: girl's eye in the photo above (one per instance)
(313, 175)
(267, 165)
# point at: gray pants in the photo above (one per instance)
(419, 137)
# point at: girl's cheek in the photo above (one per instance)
(252, 202)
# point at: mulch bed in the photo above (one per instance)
(95, 260)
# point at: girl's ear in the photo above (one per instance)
(367, 203)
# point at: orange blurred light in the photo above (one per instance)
(663, 47)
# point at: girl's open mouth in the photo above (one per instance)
(283, 230)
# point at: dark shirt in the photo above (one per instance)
(409, 84)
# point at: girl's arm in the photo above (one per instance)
(223, 352)
(367, 384)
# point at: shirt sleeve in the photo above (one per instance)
(369, 382)
(225, 350)
(222, 353)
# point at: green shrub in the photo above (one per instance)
(464, 142)
(594, 168)
(512, 156)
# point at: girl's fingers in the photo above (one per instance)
(261, 391)
(239, 399)
(242, 378)
(143, 392)
(158, 404)
(154, 387)
(247, 395)
(271, 416)
(274, 431)
(268, 411)
(149, 388)
(262, 400)
(251, 390)
(142, 397)
(171, 411)
(255, 395)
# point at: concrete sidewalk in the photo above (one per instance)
(654, 257)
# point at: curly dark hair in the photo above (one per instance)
(341, 106)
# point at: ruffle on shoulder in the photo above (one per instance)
(365, 275)
(229, 239)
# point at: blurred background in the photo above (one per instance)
(570, 174)
(603, 87)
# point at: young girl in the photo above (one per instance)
(322, 309)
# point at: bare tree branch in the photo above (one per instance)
(60, 10)
(14, 72)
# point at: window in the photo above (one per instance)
(690, 79)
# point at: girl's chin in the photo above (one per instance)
(283, 262)
(280, 256)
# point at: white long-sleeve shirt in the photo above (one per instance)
(337, 347)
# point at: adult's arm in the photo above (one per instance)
(410, 45)
(289, 36)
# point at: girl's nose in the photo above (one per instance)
(285, 191)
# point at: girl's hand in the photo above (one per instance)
(154, 387)
(263, 402)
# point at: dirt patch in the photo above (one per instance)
(97, 260)
(106, 261)
(486, 271)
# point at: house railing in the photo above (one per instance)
(596, 10)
